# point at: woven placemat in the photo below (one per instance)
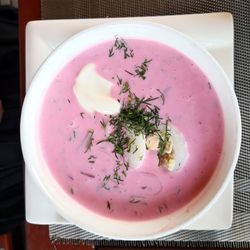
(239, 234)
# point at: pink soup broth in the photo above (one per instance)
(148, 191)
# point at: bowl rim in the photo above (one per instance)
(144, 23)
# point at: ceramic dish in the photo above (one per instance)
(114, 228)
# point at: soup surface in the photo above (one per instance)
(79, 150)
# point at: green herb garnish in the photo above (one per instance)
(130, 73)
(73, 136)
(103, 124)
(70, 177)
(209, 85)
(137, 116)
(119, 81)
(71, 190)
(90, 139)
(121, 44)
(92, 158)
(111, 51)
(108, 205)
(142, 69)
(82, 114)
(125, 87)
(105, 182)
(163, 141)
(162, 96)
(126, 165)
(87, 174)
(116, 174)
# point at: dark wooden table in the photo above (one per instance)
(37, 236)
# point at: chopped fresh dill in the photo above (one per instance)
(103, 124)
(130, 145)
(73, 136)
(118, 178)
(82, 114)
(163, 141)
(111, 51)
(92, 157)
(105, 181)
(137, 116)
(87, 174)
(125, 87)
(90, 139)
(126, 165)
(142, 69)
(130, 73)
(124, 173)
(121, 44)
(119, 81)
(209, 85)
(136, 148)
(162, 96)
(119, 139)
(116, 174)
(70, 177)
(108, 205)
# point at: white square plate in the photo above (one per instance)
(213, 31)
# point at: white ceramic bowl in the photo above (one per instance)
(81, 216)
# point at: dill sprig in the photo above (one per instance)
(105, 182)
(119, 138)
(125, 87)
(103, 124)
(116, 174)
(119, 80)
(142, 69)
(91, 159)
(108, 205)
(121, 44)
(90, 139)
(163, 140)
(137, 116)
(162, 96)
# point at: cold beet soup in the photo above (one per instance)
(131, 129)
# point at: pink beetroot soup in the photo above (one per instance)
(148, 191)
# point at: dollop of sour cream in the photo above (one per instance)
(93, 92)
